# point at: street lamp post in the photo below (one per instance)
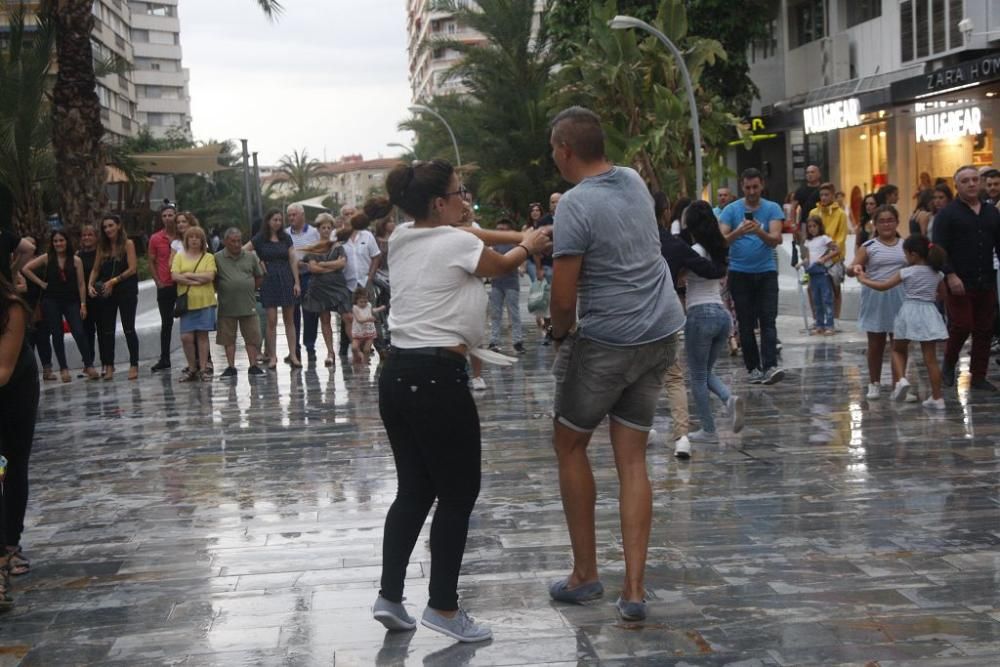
(420, 107)
(406, 149)
(623, 22)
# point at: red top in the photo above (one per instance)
(159, 247)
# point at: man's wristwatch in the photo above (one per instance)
(560, 339)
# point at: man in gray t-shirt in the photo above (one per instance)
(608, 267)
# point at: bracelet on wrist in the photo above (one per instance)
(527, 252)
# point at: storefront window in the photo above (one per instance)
(864, 159)
(951, 133)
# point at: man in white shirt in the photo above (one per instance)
(306, 324)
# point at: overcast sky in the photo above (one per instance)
(328, 75)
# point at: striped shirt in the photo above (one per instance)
(920, 282)
(883, 260)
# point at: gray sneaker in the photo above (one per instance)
(704, 436)
(462, 627)
(756, 376)
(392, 615)
(631, 611)
(773, 375)
(736, 410)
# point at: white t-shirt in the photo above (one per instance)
(361, 250)
(437, 300)
(176, 245)
(702, 290)
(817, 247)
(307, 237)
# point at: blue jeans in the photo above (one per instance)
(821, 290)
(511, 298)
(306, 323)
(705, 336)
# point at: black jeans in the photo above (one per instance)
(41, 341)
(306, 323)
(109, 309)
(755, 296)
(55, 310)
(166, 297)
(433, 427)
(18, 411)
(90, 327)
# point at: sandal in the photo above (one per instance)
(48, 375)
(206, 375)
(133, 373)
(188, 375)
(64, 375)
(91, 373)
(17, 564)
(329, 362)
(109, 374)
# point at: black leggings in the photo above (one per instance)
(126, 304)
(433, 428)
(18, 410)
(55, 310)
(166, 297)
(90, 326)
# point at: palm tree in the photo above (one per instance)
(25, 148)
(300, 170)
(77, 132)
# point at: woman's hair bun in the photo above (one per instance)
(377, 208)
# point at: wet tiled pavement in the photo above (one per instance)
(230, 524)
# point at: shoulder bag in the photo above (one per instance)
(181, 305)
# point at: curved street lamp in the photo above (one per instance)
(624, 22)
(426, 109)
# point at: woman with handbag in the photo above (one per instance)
(193, 270)
(114, 281)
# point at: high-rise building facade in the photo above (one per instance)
(111, 38)
(161, 81)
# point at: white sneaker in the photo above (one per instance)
(682, 447)
(934, 403)
(702, 436)
(736, 409)
(478, 384)
(912, 397)
(900, 390)
(874, 390)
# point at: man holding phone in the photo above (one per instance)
(752, 226)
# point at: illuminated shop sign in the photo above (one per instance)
(952, 124)
(832, 116)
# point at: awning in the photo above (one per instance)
(315, 202)
(198, 160)
(114, 176)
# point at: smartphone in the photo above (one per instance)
(748, 215)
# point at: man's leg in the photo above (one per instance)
(635, 499)
(767, 313)
(250, 330)
(837, 299)
(984, 308)
(166, 297)
(496, 314)
(677, 400)
(512, 298)
(960, 319)
(579, 494)
(741, 286)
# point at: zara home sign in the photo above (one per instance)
(952, 124)
(832, 116)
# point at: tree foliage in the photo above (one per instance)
(638, 88)
(301, 171)
(501, 123)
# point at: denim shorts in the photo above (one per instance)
(594, 380)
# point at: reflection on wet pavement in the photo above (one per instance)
(240, 524)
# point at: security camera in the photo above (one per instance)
(966, 26)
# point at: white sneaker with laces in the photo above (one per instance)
(912, 397)
(736, 410)
(478, 384)
(900, 390)
(934, 403)
(682, 447)
(874, 391)
(461, 627)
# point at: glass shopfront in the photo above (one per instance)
(864, 158)
(954, 130)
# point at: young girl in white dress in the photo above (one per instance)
(918, 318)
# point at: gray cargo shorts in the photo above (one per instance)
(594, 380)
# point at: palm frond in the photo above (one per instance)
(271, 8)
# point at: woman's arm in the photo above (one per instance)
(133, 263)
(923, 219)
(78, 267)
(493, 237)
(11, 341)
(860, 261)
(293, 261)
(28, 270)
(493, 264)
(880, 285)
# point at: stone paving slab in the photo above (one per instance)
(239, 524)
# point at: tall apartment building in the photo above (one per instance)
(111, 37)
(876, 92)
(161, 81)
(428, 66)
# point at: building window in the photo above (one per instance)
(807, 22)
(929, 27)
(161, 37)
(859, 11)
(156, 9)
(155, 119)
(140, 36)
(767, 46)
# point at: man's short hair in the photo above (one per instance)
(580, 129)
(295, 207)
(828, 186)
(966, 167)
(991, 173)
(751, 173)
(233, 231)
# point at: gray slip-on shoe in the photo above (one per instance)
(561, 592)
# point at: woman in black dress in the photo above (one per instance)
(281, 286)
(88, 255)
(327, 292)
(115, 283)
